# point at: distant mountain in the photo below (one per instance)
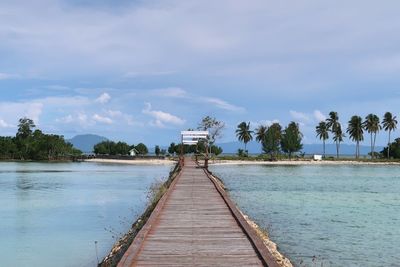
(345, 149)
(86, 142)
(255, 148)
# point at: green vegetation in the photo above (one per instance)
(193, 149)
(291, 139)
(244, 134)
(157, 150)
(121, 148)
(356, 128)
(272, 141)
(111, 148)
(389, 124)
(261, 132)
(356, 132)
(393, 149)
(141, 149)
(214, 128)
(336, 128)
(31, 143)
(171, 148)
(372, 126)
(323, 134)
(216, 150)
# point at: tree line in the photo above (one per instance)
(273, 138)
(31, 143)
(175, 149)
(356, 127)
(121, 148)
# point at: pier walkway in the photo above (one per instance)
(194, 226)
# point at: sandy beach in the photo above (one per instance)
(134, 162)
(242, 162)
(299, 162)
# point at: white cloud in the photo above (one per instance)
(134, 74)
(13, 111)
(256, 124)
(119, 114)
(161, 117)
(319, 116)
(7, 76)
(4, 124)
(210, 44)
(101, 119)
(114, 113)
(176, 92)
(83, 119)
(65, 101)
(103, 98)
(170, 92)
(80, 118)
(154, 37)
(307, 119)
(222, 104)
(66, 119)
(300, 117)
(57, 87)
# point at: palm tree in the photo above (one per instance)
(372, 126)
(334, 126)
(356, 132)
(261, 132)
(243, 133)
(332, 121)
(389, 123)
(338, 138)
(322, 132)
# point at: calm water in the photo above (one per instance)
(51, 214)
(342, 215)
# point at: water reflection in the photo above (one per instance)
(54, 212)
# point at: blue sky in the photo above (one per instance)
(141, 71)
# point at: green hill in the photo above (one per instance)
(85, 142)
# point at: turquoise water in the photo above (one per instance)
(323, 215)
(52, 214)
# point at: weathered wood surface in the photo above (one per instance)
(195, 227)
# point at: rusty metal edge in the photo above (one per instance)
(258, 244)
(138, 241)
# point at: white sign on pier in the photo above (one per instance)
(193, 137)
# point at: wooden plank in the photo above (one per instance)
(254, 238)
(194, 226)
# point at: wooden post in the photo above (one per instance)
(181, 161)
(206, 158)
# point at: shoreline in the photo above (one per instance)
(133, 162)
(299, 162)
(226, 162)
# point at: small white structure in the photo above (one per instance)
(193, 137)
(133, 152)
(317, 157)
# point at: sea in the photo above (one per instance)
(69, 214)
(323, 215)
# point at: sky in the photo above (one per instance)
(141, 71)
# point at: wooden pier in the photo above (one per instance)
(196, 224)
